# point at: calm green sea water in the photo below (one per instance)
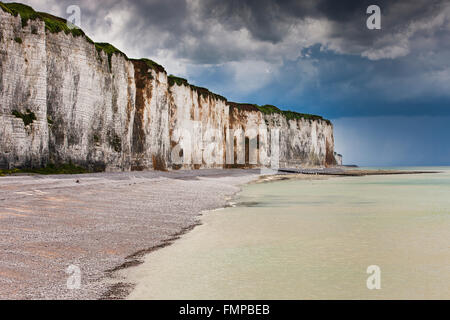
(313, 239)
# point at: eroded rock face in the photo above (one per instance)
(197, 128)
(23, 85)
(300, 142)
(303, 142)
(112, 113)
(90, 104)
(150, 143)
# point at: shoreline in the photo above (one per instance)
(40, 212)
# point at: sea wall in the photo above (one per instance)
(65, 99)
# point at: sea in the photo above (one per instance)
(370, 237)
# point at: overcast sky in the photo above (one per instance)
(387, 91)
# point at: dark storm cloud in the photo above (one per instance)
(189, 28)
(266, 20)
(271, 20)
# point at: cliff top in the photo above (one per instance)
(173, 80)
(56, 24)
(52, 23)
(270, 109)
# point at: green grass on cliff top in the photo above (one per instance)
(292, 115)
(289, 115)
(52, 23)
(110, 50)
(67, 168)
(153, 65)
(204, 92)
(177, 80)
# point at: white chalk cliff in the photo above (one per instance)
(65, 99)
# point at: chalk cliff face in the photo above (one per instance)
(23, 85)
(90, 104)
(65, 99)
(150, 143)
(198, 120)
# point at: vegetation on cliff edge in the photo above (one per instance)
(270, 109)
(109, 49)
(55, 25)
(52, 23)
(49, 169)
(290, 115)
(204, 92)
(153, 65)
(177, 80)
